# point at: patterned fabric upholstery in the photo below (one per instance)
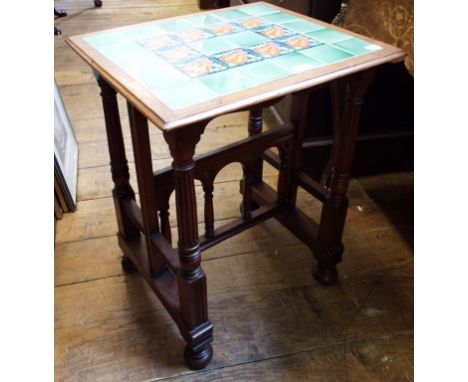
(391, 21)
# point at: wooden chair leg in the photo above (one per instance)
(335, 208)
(191, 281)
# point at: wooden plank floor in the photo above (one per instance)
(272, 321)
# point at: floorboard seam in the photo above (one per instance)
(86, 281)
(248, 253)
(203, 261)
(308, 350)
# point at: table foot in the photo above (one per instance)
(98, 3)
(325, 277)
(128, 266)
(199, 359)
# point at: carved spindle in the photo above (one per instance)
(209, 211)
(255, 121)
(192, 281)
(255, 128)
(284, 173)
(247, 202)
(165, 225)
(334, 209)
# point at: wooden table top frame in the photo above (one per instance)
(144, 235)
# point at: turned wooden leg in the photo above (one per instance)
(197, 329)
(144, 171)
(118, 161)
(334, 209)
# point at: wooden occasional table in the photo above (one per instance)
(182, 72)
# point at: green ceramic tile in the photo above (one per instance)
(232, 14)
(264, 71)
(229, 81)
(328, 35)
(173, 26)
(357, 46)
(104, 39)
(204, 20)
(296, 62)
(162, 75)
(212, 45)
(185, 94)
(326, 53)
(142, 32)
(280, 18)
(259, 10)
(302, 26)
(247, 38)
(128, 51)
(177, 90)
(143, 65)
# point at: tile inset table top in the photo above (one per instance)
(189, 68)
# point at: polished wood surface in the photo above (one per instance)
(166, 118)
(272, 320)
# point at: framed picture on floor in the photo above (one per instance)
(65, 156)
